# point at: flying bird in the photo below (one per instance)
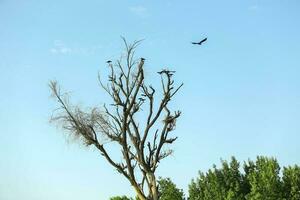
(199, 43)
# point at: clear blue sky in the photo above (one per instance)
(241, 95)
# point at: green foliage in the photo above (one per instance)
(120, 198)
(291, 182)
(218, 184)
(169, 191)
(264, 180)
(259, 180)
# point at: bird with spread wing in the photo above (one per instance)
(200, 43)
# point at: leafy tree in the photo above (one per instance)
(120, 198)
(139, 137)
(291, 182)
(219, 184)
(169, 191)
(233, 180)
(259, 180)
(264, 180)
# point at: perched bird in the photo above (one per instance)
(109, 61)
(141, 99)
(162, 71)
(199, 43)
(166, 71)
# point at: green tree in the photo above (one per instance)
(225, 183)
(197, 187)
(120, 198)
(233, 180)
(264, 179)
(168, 190)
(291, 182)
(259, 180)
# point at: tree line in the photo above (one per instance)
(262, 179)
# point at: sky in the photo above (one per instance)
(240, 98)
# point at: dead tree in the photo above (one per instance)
(142, 142)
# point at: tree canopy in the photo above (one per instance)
(120, 198)
(257, 180)
(168, 190)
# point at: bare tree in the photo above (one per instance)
(142, 142)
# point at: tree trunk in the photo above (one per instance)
(139, 193)
(153, 186)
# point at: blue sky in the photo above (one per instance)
(241, 95)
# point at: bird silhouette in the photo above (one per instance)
(199, 43)
(109, 61)
(166, 71)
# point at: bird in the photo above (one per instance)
(199, 43)
(166, 71)
(109, 61)
(143, 59)
(162, 71)
(141, 99)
